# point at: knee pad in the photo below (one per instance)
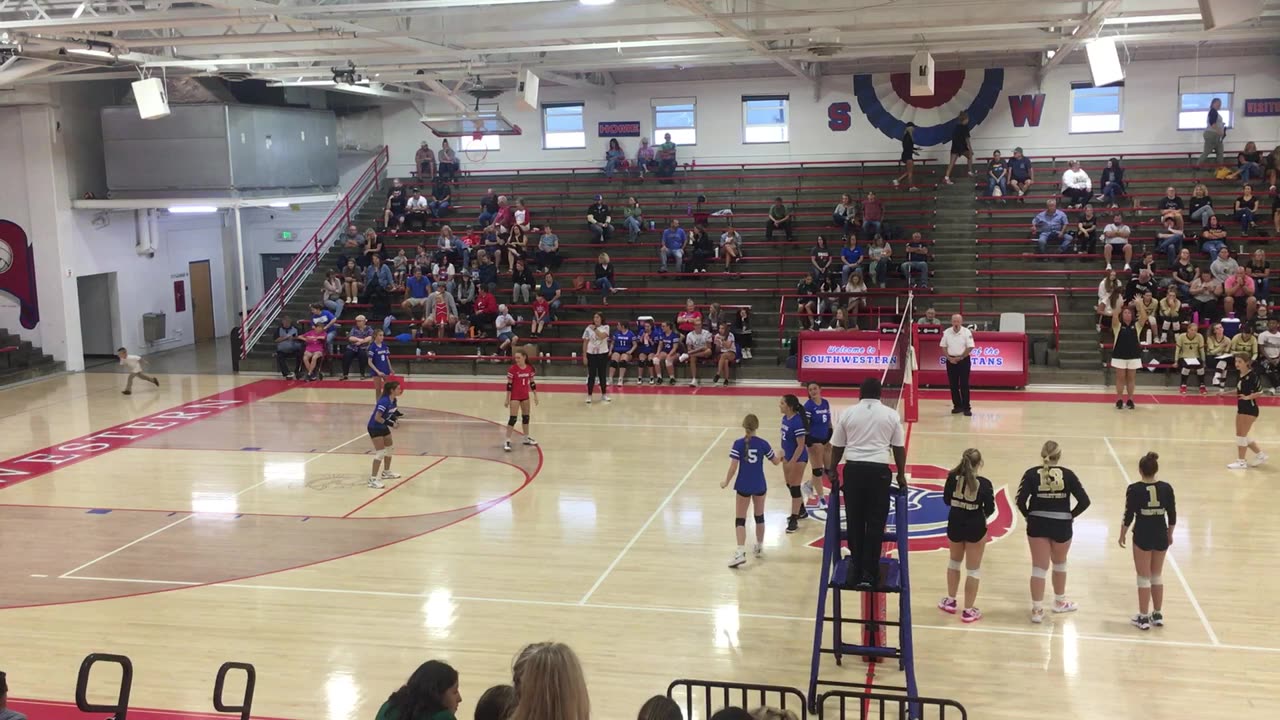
(953, 564)
(817, 472)
(379, 455)
(794, 490)
(740, 522)
(613, 364)
(759, 519)
(1242, 442)
(524, 419)
(1060, 567)
(1038, 572)
(974, 573)
(511, 420)
(1144, 581)
(1157, 581)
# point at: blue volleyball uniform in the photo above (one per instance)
(819, 415)
(648, 341)
(624, 342)
(750, 454)
(793, 434)
(380, 357)
(666, 340)
(386, 405)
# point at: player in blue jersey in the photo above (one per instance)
(818, 442)
(379, 361)
(795, 427)
(646, 348)
(747, 465)
(384, 418)
(624, 348)
(668, 351)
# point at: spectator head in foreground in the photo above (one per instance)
(661, 707)
(549, 683)
(731, 713)
(7, 714)
(772, 713)
(430, 694)
(496, 703)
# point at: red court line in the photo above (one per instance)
(54, 710)
(393, 488)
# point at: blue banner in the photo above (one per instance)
(1262, 107)
(619, 128)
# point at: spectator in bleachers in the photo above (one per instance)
(829, 290)
(1189, 356)
(917, 262)
(1021, 172)
(549, 682)
(541, 316)
(731, 713)
(331, 293)
(1112, 183)
(1169, 241)
(1077, 188)
(352, 281)
(779, 219)
(730, 247)
(393, 213)
(1108, 304)
(312, 351)
(878, 255)
(486, 273)
(523, 216)
(424, 161)
(430, 694)
(505, 218)
(997, 176)
(1170, 206)
(697, 346)
(399, 268)
(1184, 272)
(673, 243)
(1260, 271)
(323, 320)
(448, 161)
(713, 317)
(633, 218)
(441, 198)
(496, 703)
(726, 354)
(7, 714)
(417, 210)
(521, 284)
(686, 318)
(660, 707)
(855, 302)
(1109, 284)
(742, 331)
(488, 208)
(1223, 266)
(702, 249)
(645, 161)
(486, 309)
(348, 245)
(1248, 164)
(440, 312)
(1049, 225)
(1246, 206)
(1206, 292)
(442, 272)
(1139, 284)
(599, 221)
(961, 146)
(1116, 234)
(1269, 354)
(604, 277)
(1201, 207)
(806, 303)
(908, 157)
(549, 290)
(423, 258)
(666, 159)
(450, 248)
(872, 216)
(517, 247)
(1147, 261)
(1239, 289)
(548, 253)
(373, 247)
(504, 327)
(377, 277)
(845, 215)
(614, 157)
(851, 259)
(288, 348)
(1213, 238)
(930, 318)
(1086, 234)
(358, 339)
(1215, 132)
(820, 258)
(1217, 348)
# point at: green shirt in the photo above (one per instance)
(632, 212)
(777, 212)
(386, 713)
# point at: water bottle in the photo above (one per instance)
(652, 225)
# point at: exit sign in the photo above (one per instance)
(286, 235)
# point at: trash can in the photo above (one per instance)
(153, 329)
(1040, 351)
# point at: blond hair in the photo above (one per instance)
(1050, 453)
(549, 684)
(771, 713)
(967, 470)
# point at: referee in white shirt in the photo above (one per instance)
(863, 436)
(957, 343)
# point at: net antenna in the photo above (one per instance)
(898, 378)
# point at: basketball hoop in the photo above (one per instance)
(476, 151)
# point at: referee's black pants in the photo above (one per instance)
(958, 379)
(866, 488)
(597, 369)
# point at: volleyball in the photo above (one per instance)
(6, 257)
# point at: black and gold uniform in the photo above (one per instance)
(968, 509)
(1150, 508)
(1248, 384)
(1044, 499)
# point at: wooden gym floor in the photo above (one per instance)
(226, 518)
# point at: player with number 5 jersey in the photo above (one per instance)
(1044, 499)
(746, 464)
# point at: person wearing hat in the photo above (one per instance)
(358, 340)
(1021, 174)
(598, 221)
(425, 161)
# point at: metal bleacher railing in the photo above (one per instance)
(119, 708)
(268, 307)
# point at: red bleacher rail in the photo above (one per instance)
(691, 165)
(273, 300)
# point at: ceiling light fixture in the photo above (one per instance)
(595, 2)
(1135, 19)
(91, 52)
(192, 209)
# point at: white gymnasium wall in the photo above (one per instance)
(1149, 99)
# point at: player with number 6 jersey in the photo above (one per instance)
(746, 463)
(1044, 499)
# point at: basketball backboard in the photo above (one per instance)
(477, 123)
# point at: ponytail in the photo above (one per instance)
(967, 470)
(793, 404)
(1050, 453)
(389, 387)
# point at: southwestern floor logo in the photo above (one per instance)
(927, 514)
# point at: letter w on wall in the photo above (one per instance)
(1026, 109)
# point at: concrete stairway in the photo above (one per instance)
(25, 361)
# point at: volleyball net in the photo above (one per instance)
(898, 378)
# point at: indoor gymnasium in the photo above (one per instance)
(515, 359)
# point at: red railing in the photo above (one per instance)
(273, 299)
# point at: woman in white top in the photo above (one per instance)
(855, 303)
(726, 355)
(595, 355)
(1077, 188)
(730, 247)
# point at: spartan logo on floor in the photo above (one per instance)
(927, 514)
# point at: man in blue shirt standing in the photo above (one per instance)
(1048, 225)
(673, 240)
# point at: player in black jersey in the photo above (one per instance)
(1149, 507)
(1248, 390)
(970, 501)
(1044, 499)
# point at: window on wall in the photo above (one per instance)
(488, 142)
(764, 118)
(562, 126)
(1194, 95)
(1095, 109)
(678, 116)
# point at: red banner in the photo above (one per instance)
(999, 359)
(843, 358)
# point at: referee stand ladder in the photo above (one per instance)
(835, 581)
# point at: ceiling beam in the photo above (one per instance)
(1083, 33)
(735, 30)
